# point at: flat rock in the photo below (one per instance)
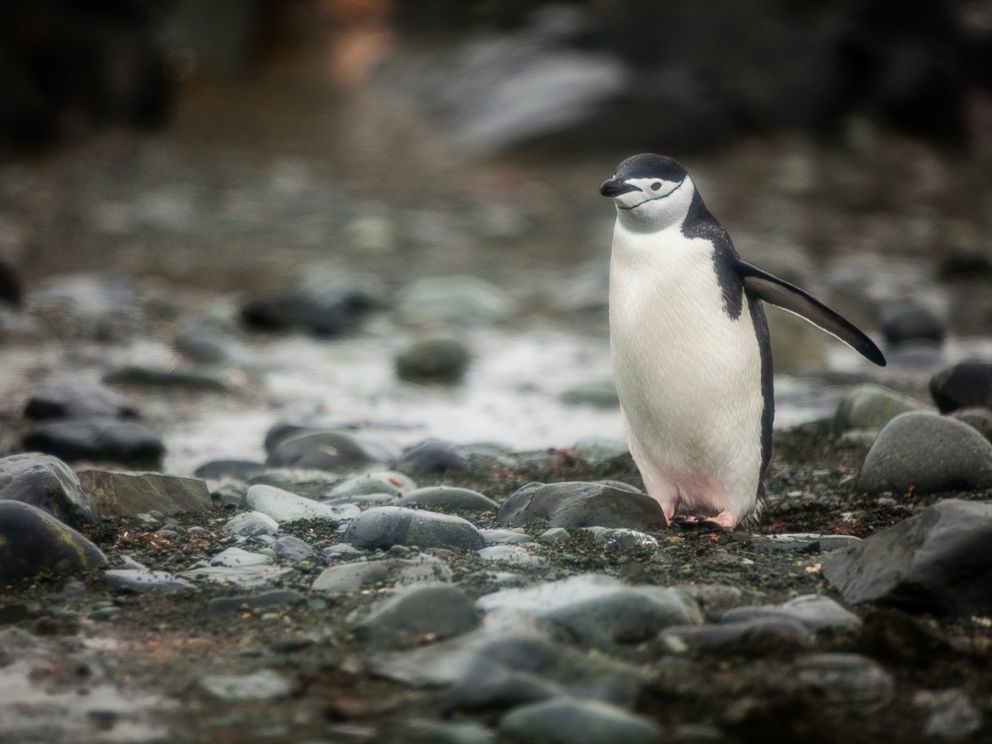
(928, 453)
(432, 611)
(937, 561)
(572, 721)
(325, 450)
(97, 439)
(127, 494)
(252, 524)
(815, 612)
(240, 557)
(382, 482)
(77, 399)
(32, 541)
(578, 504)
(596, 609)
(964, 385)
(254, 603)
(49, 484)
(871, 407)
(292, 549)
(715, 637)
(514, 555)
(141, 580)
(386, 526)
(358, 575)
(431, 456)
(621, 540)
(807, 542)
(448, 498)
(246, 577)
(505, 537)
(235, 469)
(283, 506)
(262, 685)
(171, 378)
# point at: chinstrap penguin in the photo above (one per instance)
(690, 347)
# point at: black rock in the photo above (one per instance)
(236, 469)
(912, 322)
(32, 541)
(578, 504)
(264, 601)
(324, 306)
(77, 399)
(47, 483)
(99, 439)
(326, 450)
(430, 456)
(386, 526)
(448, 498)
(177, 379)
(964, 385)
(937, 561)
(281, 431)
(965, 265)
(11, 289)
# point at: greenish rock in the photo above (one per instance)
(598, 394)
(434, 359)
(32, 541)
(387, 526)
(871, 407)
(569, 721)
(505, 537)
(927, 453)
(431, 610)
(283, 506)
(128, 494)
(554, 536)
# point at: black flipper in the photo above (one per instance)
(769, 288)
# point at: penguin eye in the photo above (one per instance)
(656, 185)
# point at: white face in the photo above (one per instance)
(653, 204)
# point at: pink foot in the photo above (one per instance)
(725, 520)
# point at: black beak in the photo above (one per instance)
(615, 187)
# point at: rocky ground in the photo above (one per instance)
(343, 587)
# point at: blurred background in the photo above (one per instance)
(300, 197)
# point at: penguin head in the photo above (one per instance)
(651, 192)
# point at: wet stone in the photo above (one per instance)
(292, 549)
(325, 450)
(448, 498)
(77, 399)
(871, 407)
(441, 359)
(579, 504)
(514, 555)
(340, 552)
(262, 685)
(937, 561)
(49, 484)
(33, 541)
(254, 603)
(235, 469)
(775, 629)
(927, 453)
(252, 524)
(431, 456)
(358, 575)
(97, 439)
(386, 526)
(283, 506)
(846, 679)
(127, 494)
(431, 611)
(573, 721)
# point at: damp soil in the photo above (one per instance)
(165, 644)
